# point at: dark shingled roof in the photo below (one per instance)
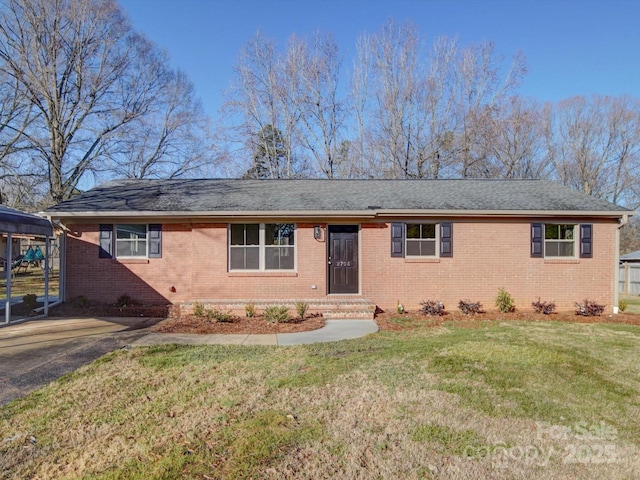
(235, 195)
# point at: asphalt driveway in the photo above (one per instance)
(35, 353)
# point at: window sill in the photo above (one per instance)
(131, 261)
(561, 260)
(421, 260)
(254, 273)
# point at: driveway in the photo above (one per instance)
(35, 353)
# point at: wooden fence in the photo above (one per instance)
(629, 279)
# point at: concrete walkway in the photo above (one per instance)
(333, 331)
(36, 352)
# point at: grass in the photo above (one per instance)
(447, 401)
(31, 281)
(633, 303)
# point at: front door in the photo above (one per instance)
(343, 259)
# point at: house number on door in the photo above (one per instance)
(343, 263)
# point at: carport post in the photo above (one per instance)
(46, 275)
(7, 272)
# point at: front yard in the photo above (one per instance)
(474, 399)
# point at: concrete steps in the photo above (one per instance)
(331, 308)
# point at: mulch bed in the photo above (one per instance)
(257, 324)
(387, 321)
(410, 320)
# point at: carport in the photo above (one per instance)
(15, 222)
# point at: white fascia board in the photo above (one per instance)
(217, 214)
(500, 213)
(382, 214)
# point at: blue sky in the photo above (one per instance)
(573, 47)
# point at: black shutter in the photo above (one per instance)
(155, 240)
(106, 241)
(397, 239)
(586, 240)
(537, 240)
(446, 239)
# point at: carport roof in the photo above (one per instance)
(14, 221)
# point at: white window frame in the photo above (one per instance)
(262, 248)
(573, 241)
(137, 241)
(436, 240)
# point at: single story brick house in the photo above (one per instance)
(324, 241)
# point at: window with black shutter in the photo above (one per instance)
(415, 240)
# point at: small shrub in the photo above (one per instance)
(622, 305)
(399, 308)
(198, 309)
(219, 316)
(124, 301)
(276, 314)
(301, 308)
(81, 301)
(543, 307)
(30, 300)
(589, 308)
(467, 307)
(432, 308)
(505, 302)
(249, 310)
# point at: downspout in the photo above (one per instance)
(61, 278)
(7, 272)
(622, 221)
(47, 250)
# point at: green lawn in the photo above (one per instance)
(31, 281)
(633, 303)
(490, 400)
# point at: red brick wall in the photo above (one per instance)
(487, 255)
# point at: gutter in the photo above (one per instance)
(368, 214)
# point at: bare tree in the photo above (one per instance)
(261, 98)
(396, 72)
(481, 90)
(594, 146)
(87, 76)
(322, 112)
(515, 141)
(169, 140)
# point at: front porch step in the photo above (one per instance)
(330, 308)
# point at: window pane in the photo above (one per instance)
(286, 258)
(131, 240)
(131, 231)
(429, 231)
(566, 249)
(566, 232)
(244, 258)
(551, 249)
(279, 233)
(428, 248)
(413, 230)
(237, 234)
(252, 234)
(252, 258)
(236, 260)
(558, 249)
(551, 232)
(413, 247)
(279, 258)
(123, 249)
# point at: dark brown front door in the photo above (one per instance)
(343, 259)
